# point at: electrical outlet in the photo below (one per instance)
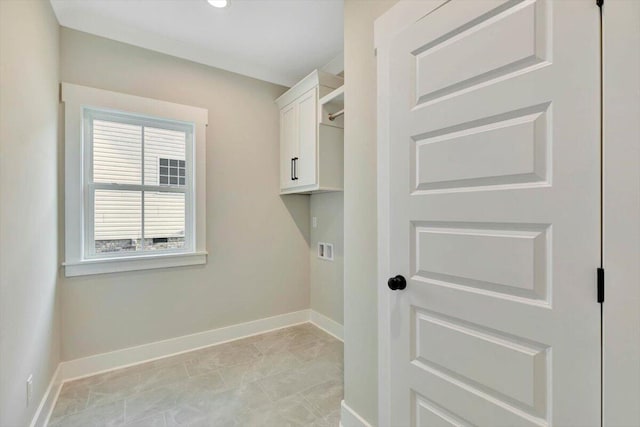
(29, 389)
(314, 222)
(325, 251)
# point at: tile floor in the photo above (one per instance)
(288, 377)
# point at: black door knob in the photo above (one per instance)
(397, 283)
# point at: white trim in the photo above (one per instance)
(621, 213)
(104, 362)
(133, 104)
(41, 417)
(350, 418)
(76, 98)
(328, 325)
(99, 363)
(142, 262)
(400, 16)
(92, 365)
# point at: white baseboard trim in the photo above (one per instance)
(41, 417)
(350, 418)
(99, 363)
(328, 325)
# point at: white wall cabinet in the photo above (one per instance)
(311, 153)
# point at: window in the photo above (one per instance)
(134, 161)
(172, 172)
(137, 194)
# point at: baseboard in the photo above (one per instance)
(41, 417)
(328, 325)
(99, 363)
(350, 418)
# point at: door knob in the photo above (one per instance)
(397, 283)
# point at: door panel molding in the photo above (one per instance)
(499, 322)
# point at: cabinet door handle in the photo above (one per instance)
(295, 168)
(291, 172)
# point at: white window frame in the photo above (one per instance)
(80, 102)
(90, 186)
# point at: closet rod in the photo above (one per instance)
(334, 116)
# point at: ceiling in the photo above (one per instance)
(279, 41)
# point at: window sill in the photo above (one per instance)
(133, 263)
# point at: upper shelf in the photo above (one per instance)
(317, 79)
(329, 104)
(337, 96)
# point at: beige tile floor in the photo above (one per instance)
(288, 377)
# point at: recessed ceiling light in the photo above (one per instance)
(218, 3)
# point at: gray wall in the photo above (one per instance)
(29, 323)
(327, 276)
(257, 241)
(360, 226)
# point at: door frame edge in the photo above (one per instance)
(389, 24)
(621, 213)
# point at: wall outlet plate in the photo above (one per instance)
(325, 251)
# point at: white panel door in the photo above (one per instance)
(307, 136)
(493, 214)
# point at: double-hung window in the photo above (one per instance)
(139, 203)
(139, 184)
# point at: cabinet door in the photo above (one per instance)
(288, 144)
(307, 134)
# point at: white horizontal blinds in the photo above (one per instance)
(117, 152)
(131, 213)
